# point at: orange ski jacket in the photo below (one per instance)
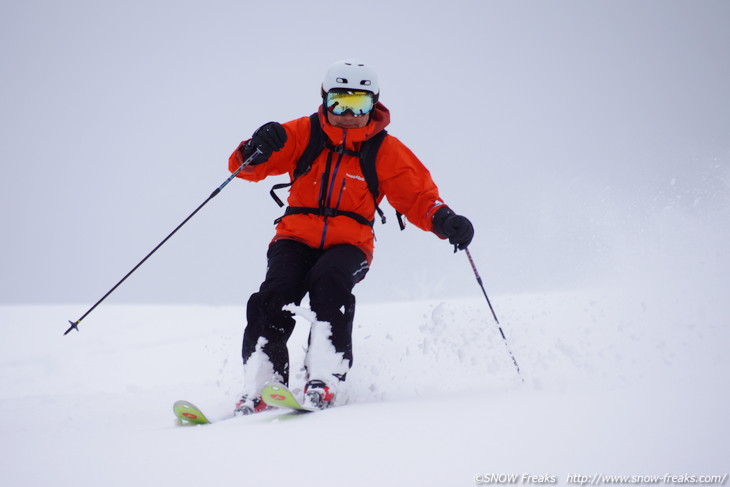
(403, 179)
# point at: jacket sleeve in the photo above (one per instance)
(407, 183)
(281, 162)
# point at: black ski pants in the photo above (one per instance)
(295, 269)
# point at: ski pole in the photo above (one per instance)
(504, 338)
(75, 324)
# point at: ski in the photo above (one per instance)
(188, 413)
(274, 394)
(278, 395)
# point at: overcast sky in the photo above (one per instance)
(583, 139)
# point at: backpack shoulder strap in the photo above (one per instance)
(315, 146)
(368, 157)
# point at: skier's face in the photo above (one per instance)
(347, 120)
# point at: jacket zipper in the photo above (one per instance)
(339, 196)
(328, 187)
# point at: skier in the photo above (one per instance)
(324, 242)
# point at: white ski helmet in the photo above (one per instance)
(351, 74)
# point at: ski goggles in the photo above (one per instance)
(357, 102)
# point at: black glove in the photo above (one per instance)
(268, 138)
(458, 229)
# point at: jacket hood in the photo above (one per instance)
(379, 119)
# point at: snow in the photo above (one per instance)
(630, 381)
(322, 361)
(258, 370)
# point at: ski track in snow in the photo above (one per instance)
(614, 382)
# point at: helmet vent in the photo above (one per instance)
(351, 74)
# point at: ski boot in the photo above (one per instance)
(318, 395)
(246, 406)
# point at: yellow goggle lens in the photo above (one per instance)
(357, 102)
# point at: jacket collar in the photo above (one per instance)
(378, 121)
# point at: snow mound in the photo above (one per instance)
(614, 382)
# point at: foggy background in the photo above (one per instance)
(588, 142)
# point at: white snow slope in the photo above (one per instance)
(630, 382)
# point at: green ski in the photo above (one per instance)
(187, 413)
(278, 395)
